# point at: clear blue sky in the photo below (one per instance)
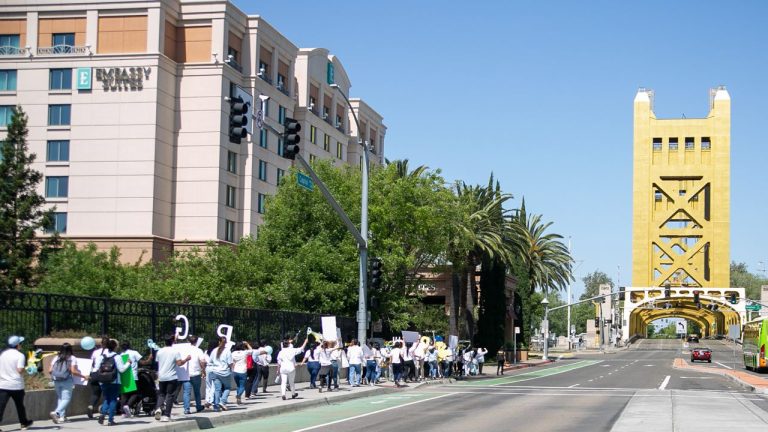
(540, 94)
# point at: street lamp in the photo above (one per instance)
(362, 314)
(545, 327)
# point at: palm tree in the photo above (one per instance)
(479, 230)
(403, 170)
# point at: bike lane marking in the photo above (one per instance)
(312, 418)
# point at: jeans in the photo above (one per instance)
(18, 400)
(193, 385)
(433, 369)
(166, 395)
(220, 390)
(334, 374)
(240, 379)
(447, 365)
(109, 406)
(314, 368)
(63, 395)
(287, 380)
(397, 371)
(370, 372)
(354, 374)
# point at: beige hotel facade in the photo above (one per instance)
(128, 117)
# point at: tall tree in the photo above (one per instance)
(586, 311)
(21, 208)
(741, 277)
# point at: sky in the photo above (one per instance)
(541, 95)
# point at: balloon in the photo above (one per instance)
(87, 343)
(268, 349)
(31, 369)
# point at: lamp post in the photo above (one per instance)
(362, 313)
(545, 327)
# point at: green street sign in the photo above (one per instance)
(304, 181)
(753, 307)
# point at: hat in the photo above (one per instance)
(15, 340)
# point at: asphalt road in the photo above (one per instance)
(632, 390)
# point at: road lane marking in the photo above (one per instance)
(727, 367)
(664, 383)
(373, 412)
(573, 386)
(527, 376)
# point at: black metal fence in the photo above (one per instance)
(35, 315)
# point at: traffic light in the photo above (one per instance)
(732, 298)
(375, 281)
(375, 303)
(667, 290)
(597, 322)
(622, 291)
(291, 138)
(238, 119)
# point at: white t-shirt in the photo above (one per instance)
(10, 362)
(395, 354)
(480, 356)
(134, 357)
(239, 362)
(166, 363)
(313, 355)
(262, 359)
(286, 358)
(355, 354)
(324, 356)
(194, 364)
(220, 365)
(121, 367)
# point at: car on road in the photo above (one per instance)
(701, 354)
(693, 338)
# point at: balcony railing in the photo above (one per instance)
(264, 77)
(327, 119)
(12, 51)
(63, 50)
(234, 64)
(340, 128)
(281, 86)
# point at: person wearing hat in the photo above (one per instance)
(12, 363)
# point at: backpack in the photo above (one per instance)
(249, 362)
(107, 372)
(61, 370)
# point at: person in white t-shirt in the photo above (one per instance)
(194, 369)
(131, 399)
(168, 360)
(219, 362)
(286, 361)
(355, 357)
(12, 363)
(240, 354)
(480, 357)
(62, 370)
(396, 357)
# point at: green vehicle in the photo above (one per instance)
(754, 341)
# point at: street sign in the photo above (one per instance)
(753, 307)
(304, 181)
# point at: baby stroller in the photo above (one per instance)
(147, 392)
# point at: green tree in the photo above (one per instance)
(741, 277)
(21, 208)
(586, 311)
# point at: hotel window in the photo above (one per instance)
(339, 150)
(327, 143)
(59, 115)
(338, 122)
(234, 53)
(280, 174)
(266, 108)
(312, 159)
(229, 230)
(232, 162)
(57, 151)
(689, 143)
(280, 147)
(263, 138)
(231, 200)
(281, 114)
(60, 79)
(262, 170)
(281, 82)
(9, 44)
(56, 187)
(706, 144)
(657, 144)
(313, 134)
(263, 69)
(58, 224)
(62, 43)
(261, 203)
(6, 112)
(7, 80)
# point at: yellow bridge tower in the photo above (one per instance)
(681, 196)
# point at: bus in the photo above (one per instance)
(754, 341)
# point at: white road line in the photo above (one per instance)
(727, 367)
(664, 383)
(559, 358)
(374, 412)
(573, 386)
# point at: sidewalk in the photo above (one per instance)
(754, 383)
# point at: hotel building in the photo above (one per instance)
(129, 118)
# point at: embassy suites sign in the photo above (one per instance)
(114, 79)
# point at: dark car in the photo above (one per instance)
(693, 338)
(701, 354)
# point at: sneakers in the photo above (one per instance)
(54, 417)
(158, 414)
(101, 419)
(284, 397)
(165, 419)
(223, 407)
(187, 412)
(26, 425)
(294, 396)
(126, 411)
(89, 412)
(239, 401)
